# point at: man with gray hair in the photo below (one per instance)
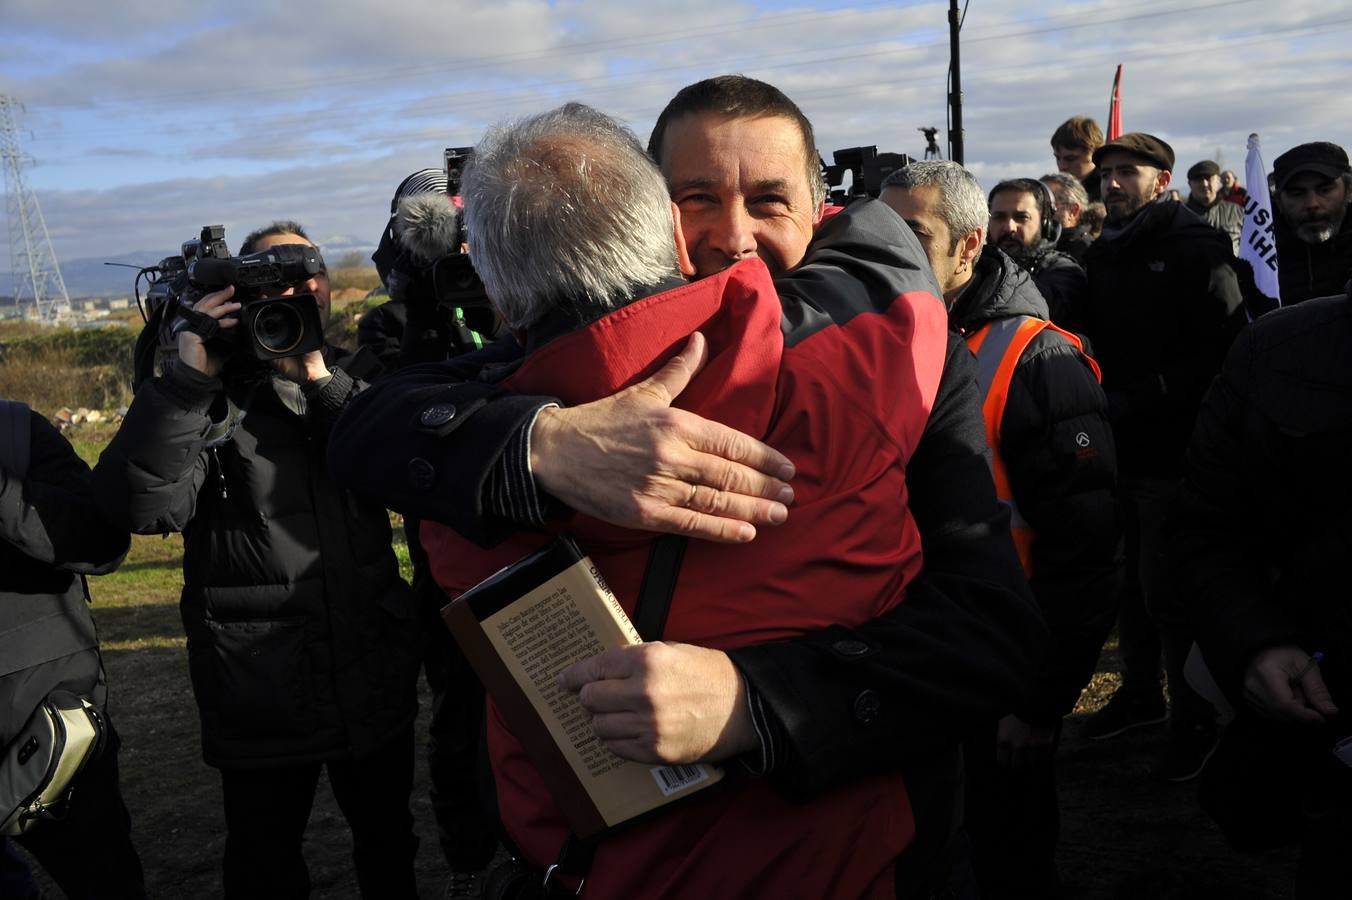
(1313, 229)
(1053, 462)
(578, 243)
(1071, 202)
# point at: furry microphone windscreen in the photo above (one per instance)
(428, 226)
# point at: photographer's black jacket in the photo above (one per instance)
(302, 638)
(51, 536)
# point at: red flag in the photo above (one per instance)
(1115, 107)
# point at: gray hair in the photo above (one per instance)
(1067, 188)
(565, 208)
(962, 203)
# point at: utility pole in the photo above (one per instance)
(955, 85)
(32, 260)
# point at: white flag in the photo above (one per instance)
(1258, 243)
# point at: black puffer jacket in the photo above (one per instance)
(1062, 283)
(51, 536)
(1164, 305)
(302, 637)
(1058, 448)
(1262, 532)
(1312, 270)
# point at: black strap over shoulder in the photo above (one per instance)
(659, 584)
(650, 618)
(15, 437)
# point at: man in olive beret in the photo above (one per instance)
(1164, 304)
(1205, 199)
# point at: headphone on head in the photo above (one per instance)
(1051, 229)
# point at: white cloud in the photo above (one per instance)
(148, 122)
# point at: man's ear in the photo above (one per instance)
(682, 252)
(821, 211)
(1162, 179)
(969, 248)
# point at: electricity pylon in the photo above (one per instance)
(32, 260)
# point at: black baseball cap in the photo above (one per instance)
(1321, 157)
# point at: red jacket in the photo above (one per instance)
(839, 374)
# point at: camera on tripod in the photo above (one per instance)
(270, 326)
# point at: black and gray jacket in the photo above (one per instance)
(302, 640)
(1058, 448)
(51, 537)
(1312, 270)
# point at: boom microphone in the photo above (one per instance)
(428, 226)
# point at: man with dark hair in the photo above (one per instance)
(1023, 224)
(1073, 144)
(302, 638)
(1054, 464)
(51, 537)
(1204, 198)
(632, 460)
(719, 113)
(1164, 304)
(1313, 229)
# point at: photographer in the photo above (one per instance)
(302, 640)
(417, 324)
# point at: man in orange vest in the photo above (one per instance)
(1054, 465)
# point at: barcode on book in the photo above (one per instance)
(671, 779)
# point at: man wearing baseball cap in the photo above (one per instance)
(1313, 230)
(1164, 304)
(1207, 200)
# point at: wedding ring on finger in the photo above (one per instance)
(689, 501)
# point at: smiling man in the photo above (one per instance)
(742, 167)
(1164, 304)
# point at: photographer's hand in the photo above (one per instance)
(302, 369)
(192, 349)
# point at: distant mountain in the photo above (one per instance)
(91, 278)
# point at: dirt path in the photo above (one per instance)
(1123, 835)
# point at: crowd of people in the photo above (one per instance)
(902, 466)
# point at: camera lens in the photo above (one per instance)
(278, 328)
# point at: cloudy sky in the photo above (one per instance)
(146, 119)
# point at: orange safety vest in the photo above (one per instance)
(998, 346)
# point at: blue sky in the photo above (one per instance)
(148, 119)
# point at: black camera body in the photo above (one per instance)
(868, 169)
(270, 326)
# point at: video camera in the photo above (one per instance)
(868, 167)
(270, 327)
(423, 258)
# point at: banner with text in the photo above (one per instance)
(1258, 243)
